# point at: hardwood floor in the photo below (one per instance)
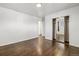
(38, 47)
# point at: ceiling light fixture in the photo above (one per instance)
(38, 5)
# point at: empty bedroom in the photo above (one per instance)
(39, 29)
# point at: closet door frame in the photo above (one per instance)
(66, 30)
(54, 28)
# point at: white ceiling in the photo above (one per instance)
(30, 8)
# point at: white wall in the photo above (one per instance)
(43, 26)
(16, 26)
(73, 24)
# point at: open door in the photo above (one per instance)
(61, 29)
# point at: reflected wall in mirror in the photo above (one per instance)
(60, 29)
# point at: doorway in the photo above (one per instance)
(60, 29)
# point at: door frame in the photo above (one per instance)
(66, 30)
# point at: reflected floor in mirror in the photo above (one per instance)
(38, 47)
